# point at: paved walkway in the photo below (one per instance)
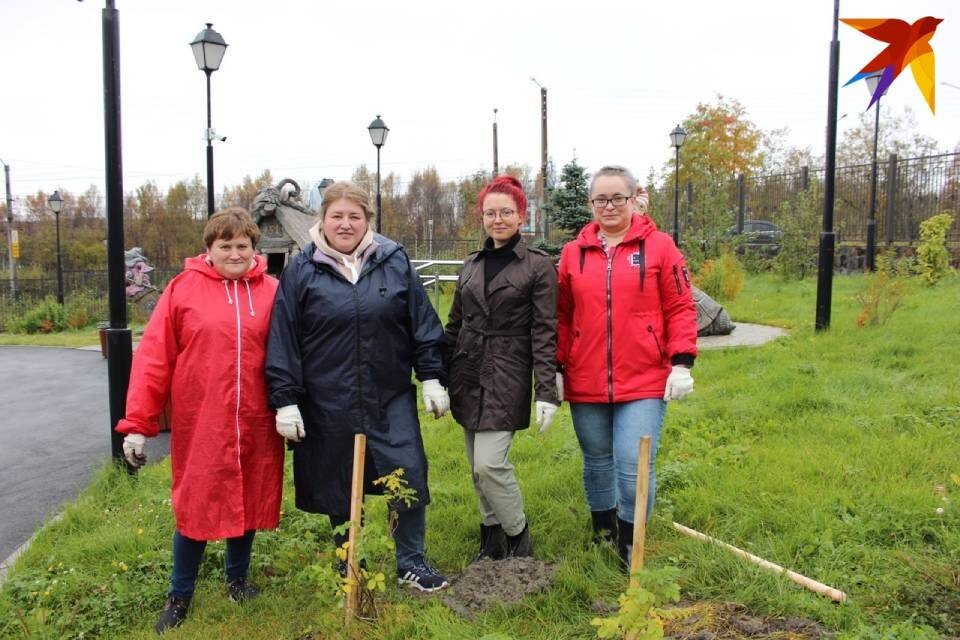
(745, 335)
(54, 433)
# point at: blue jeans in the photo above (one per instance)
(609, 436)
(408, 537)
(188, 553)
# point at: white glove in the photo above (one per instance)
(290, 423)
(559, 387)
(435, 398)
(545, 413)
(679, 383)
(133, 450)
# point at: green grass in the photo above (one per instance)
(827, 454)
(73, 338)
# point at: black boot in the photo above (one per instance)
(520, 545)
(604, 526)
(493, 543)
(625, 542)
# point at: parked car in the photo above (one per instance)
(761, 236)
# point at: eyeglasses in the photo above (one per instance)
(505, 214)
(601, 203)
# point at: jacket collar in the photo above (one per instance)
(516, 244)
(641, 227)
(199, 263)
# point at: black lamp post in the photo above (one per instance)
(872, 82)
(55, 202)
(827, 235)
(208, 49)
(378, 135)
(677, 137)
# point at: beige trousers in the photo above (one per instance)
(494, 480)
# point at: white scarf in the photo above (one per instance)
(348, 264)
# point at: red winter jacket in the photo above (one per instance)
(204, 348)
(622, 322)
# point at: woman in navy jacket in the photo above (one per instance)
(350, 323)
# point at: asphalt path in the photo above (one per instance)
(54, 433)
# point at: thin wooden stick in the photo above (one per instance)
(817, 587)
(640, 508)
(356, 513)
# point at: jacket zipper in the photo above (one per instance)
(236, 416)
(676, 278)
(610, 322)
(654, 334)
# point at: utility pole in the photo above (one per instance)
(542, 190)
(11, 245)
(496, 168)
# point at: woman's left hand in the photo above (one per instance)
(679, 383)
(545, 413)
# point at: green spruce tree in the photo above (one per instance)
(567, 206)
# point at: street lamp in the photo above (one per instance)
(208, 49)
(872, 82)
(378, 135)
(677, 137)
(55, 202)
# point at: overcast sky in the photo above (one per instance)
(301, 80)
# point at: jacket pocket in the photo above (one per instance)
(574, 349)
(656, 341)
(676, 279)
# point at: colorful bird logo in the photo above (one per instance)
(907, 44)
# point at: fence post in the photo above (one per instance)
(741, 201)
(889, 224)
(805, 177)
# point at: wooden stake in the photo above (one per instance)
(640, 508)
(356, 513)
(817, 587)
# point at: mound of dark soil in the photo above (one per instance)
(487, 583)
(726, 621)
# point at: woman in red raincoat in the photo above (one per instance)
(204, 349)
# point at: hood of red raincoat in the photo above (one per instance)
(199, 263)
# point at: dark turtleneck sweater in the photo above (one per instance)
(494, 260)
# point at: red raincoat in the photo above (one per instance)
(204, 348)
(622, 323)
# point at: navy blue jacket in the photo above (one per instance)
(344, 353)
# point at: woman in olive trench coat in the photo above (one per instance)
(501, 329)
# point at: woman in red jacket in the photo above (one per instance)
(204, 349)
(627, 338)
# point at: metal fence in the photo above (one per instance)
(908, 192)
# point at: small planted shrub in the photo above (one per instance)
(933, 259)
(884, 292)
(640, 615)
(723, 278)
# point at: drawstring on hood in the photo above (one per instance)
(246, 281)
